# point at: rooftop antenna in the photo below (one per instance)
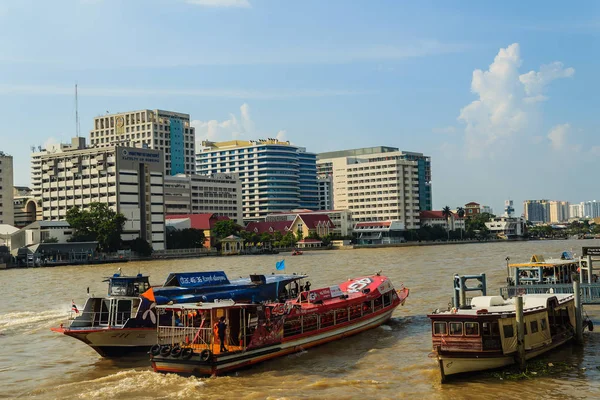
(76, 112)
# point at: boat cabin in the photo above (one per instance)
(541, 271)
(490, 325)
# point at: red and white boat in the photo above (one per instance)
(258, 332)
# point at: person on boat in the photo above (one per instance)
(307, 286)
(221, 328)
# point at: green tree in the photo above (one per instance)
(188, 238)
(225, 228)
(97, 223)
(141, 247)
(50, 240)
(299, 235)
(447, 213)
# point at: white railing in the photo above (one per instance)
(185, 334)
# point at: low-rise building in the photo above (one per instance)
(506, 227)
(341, 219)
(312, 223)
(40, 232)
(437, 218)
(379, 232)
(270, 227)
(472, 209)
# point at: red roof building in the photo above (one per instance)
(269, 227)
(204, 222)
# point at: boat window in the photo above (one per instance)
(543, 324)
(534, 326)
(440, 328)
(508, 331)
(472, 328)
(456, 328)
(490, 329)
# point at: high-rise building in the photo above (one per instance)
(377, 183)
(489, 210)
(575, 211)
(6, 189)
(559, 211)
(325, 193)
(590, 209)
(509, 209)
(167, 131)
(275, 176)
(537, 211)
(325, 168)
(217, 194)
(128, 180)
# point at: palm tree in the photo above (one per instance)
(461, 213)
(447, 213)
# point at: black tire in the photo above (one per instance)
(205, 355)
(590, 325)
(165, 350)
(155, 350)
(176, 351)
(187, 353)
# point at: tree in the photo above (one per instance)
(225, 228)
(97, 223)
(141, 247)
(299, 235)
(461, 214)
(50, 240)
(446, 212)
(188, 238)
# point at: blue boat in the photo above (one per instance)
(124, 321)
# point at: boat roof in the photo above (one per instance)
(538, 260)
(219, 278)
(486, 305)
(205, 306)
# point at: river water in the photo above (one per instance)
(388, 362)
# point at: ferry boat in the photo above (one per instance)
(125, 320)
(189, 343)
(483, 335)
(297, 252)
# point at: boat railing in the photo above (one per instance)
(94, 319)
(189, 335)
(590, 292)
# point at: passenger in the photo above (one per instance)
(307, 286)
(221, 327)
(178, 321)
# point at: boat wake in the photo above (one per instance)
(30, 321)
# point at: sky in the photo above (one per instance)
(502, 95)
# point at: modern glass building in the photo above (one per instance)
(275, 176)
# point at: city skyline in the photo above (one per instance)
(494, 103)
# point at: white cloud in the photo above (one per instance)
(559, 137)
(508, 102)
(221, 3)
(235, 127)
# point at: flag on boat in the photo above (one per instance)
(280, 265)
(74, 307)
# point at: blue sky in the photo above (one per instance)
(502, 95)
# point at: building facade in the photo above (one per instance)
(218, 194)
(6, 190)
(590, 209)
(472, 209)
(275, 176)
(341, 219)
(559, 211)
(128, 180)
(375, 184)
(325, 193)
(536, 211)
(437, 218)
(167, 131)
(575, 211)
(423, 163)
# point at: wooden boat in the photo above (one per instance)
(258, 332)
(125, 320)
(484, 335)
(297, 252)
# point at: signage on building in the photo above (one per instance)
(130, 158)
(591, 251)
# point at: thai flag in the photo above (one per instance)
(74, 307)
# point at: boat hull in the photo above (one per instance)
(229, 362)
(110, 342)
(450, 364)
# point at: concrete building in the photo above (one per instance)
(128, 180)
(275, 175)
(472, 209)
(591, 209)
(379, 232)
(325, 192)
(167, 131)
(506, 227)
(537, 211)
(423, 164)
(218, 194)
(575, 211)
(6, 189)
(376, 184)
(26, 210)
(559, 211)
(342, 223)
(487, 209)
(40, 231)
